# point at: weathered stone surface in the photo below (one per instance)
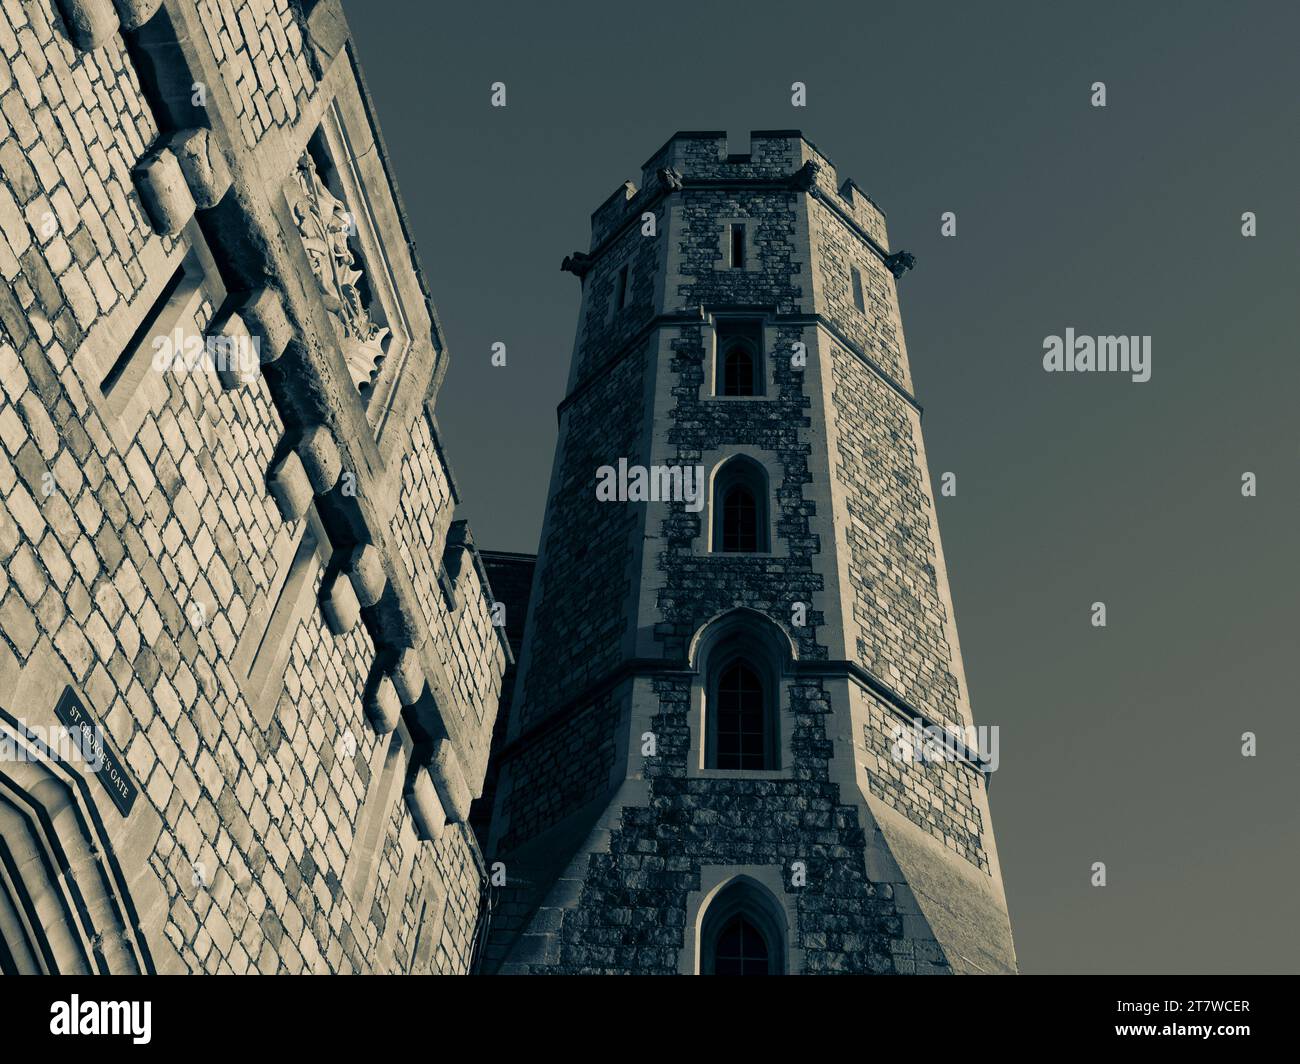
(203, 163)
(342, 611)
(290, 487)
(426, 808)
(449, 778)
(263, 314)
(166, 570)
(90, 22)
(408, 676)
(235, 356)
(135, 13)
(836, 445)
(320, 457)
(365, 568)
(163, 190)
(383, 707)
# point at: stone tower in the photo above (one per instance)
(710, 763)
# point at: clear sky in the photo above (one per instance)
(1119, 744)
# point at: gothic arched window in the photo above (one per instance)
(741, 949)
(738, 369)
(740, 719)
(740, 508)
(743, 932)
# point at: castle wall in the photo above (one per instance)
(186, 552)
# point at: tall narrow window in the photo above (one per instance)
(737, 246)
(620, 290)
(738, 369)
(739, 520)
(740, 508)
(858, 299)
(741, 719)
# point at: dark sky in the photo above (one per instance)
(1120, 744)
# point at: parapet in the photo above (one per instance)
(703, 157)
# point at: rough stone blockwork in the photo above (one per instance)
(169, 533)
(628, 845)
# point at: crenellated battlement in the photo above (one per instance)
(704, 159)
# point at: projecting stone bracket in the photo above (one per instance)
(449, 778)
(340, 606)
(365, 569)
(263, 314)
(203, 163)
(164, 191)
(229, 336)
(408, 676)
(90, 23)
(290, 487)
(326, 33)
(900, 262)
(135, 13)
(425, 806)
(383, 707)
(577, 264)
(321, 459)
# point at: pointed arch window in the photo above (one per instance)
(739, 357)
(740, 521)
(743, 932)
(741, 949)
(740, 711)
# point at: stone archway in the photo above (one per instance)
(64, 904)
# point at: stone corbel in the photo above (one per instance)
(89, 22)
(578, 264)
(164, 191)
(425, 806)
(203, 163)
(803, 179)
(135, 13)
(290, 487)
(900, 262)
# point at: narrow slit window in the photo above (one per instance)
(620, 292)
(737, 246)
(268, 635)
(168, 324)
(141, 339)
(859, 300)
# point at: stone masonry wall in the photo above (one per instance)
(134, 566)
(633, 907)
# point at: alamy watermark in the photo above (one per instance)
(83, 744)
(656, 483)
(1098, 354)
(923, 743)
(187, 352)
